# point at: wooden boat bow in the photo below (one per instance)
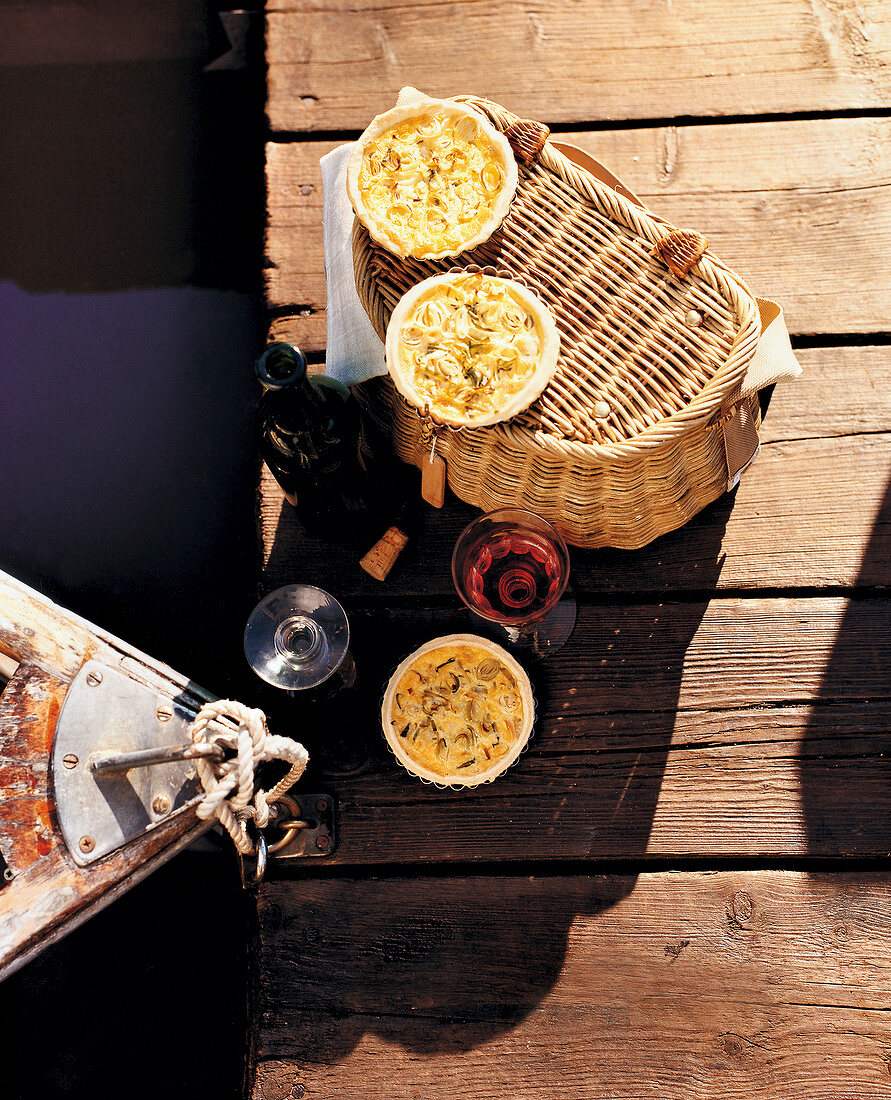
(58, 871)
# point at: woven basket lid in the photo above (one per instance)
(655, 331)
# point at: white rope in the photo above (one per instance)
(229, 793)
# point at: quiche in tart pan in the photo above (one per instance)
(470, 349)
(458, 711)
(431, 179)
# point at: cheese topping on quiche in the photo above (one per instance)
(431, 180)
(457, 710)
(470, 344)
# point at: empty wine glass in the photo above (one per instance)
(511, 568)
(298, 637)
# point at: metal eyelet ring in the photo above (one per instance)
(290, 825)
(252, 882)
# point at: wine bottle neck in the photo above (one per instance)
(281, 366)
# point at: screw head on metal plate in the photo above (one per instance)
(161, 804)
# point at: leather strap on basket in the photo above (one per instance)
(433, 467)
(773, 361)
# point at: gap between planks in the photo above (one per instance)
(596, 126)
(283, 871)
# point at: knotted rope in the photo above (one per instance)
(254, 745)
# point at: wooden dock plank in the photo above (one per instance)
(788, 522)
(333, 65)
(800, 209)
(697, 729)
(680, 986)
(712, 704)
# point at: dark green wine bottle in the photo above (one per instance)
(309, 433)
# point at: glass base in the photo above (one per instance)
(297, 637)
(538, 639)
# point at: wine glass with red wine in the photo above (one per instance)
(511, 568)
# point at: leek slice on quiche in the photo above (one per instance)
(459, 710)
(431, 179)
(470, 349)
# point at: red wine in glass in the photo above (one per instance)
(511, 568)
(514, 575)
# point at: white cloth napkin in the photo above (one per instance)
(355, 351)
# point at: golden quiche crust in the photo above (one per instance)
(459, 710)
(431, 179)
(471, 349)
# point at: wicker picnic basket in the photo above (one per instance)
(656, 337)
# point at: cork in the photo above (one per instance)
(381, 558)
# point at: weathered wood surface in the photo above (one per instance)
(672, 986)
(334, 65)
(801, 210)
(737, 727)
(790, 523)
(725, 695)
(49, 894)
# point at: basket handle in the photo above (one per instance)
(599, 171)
